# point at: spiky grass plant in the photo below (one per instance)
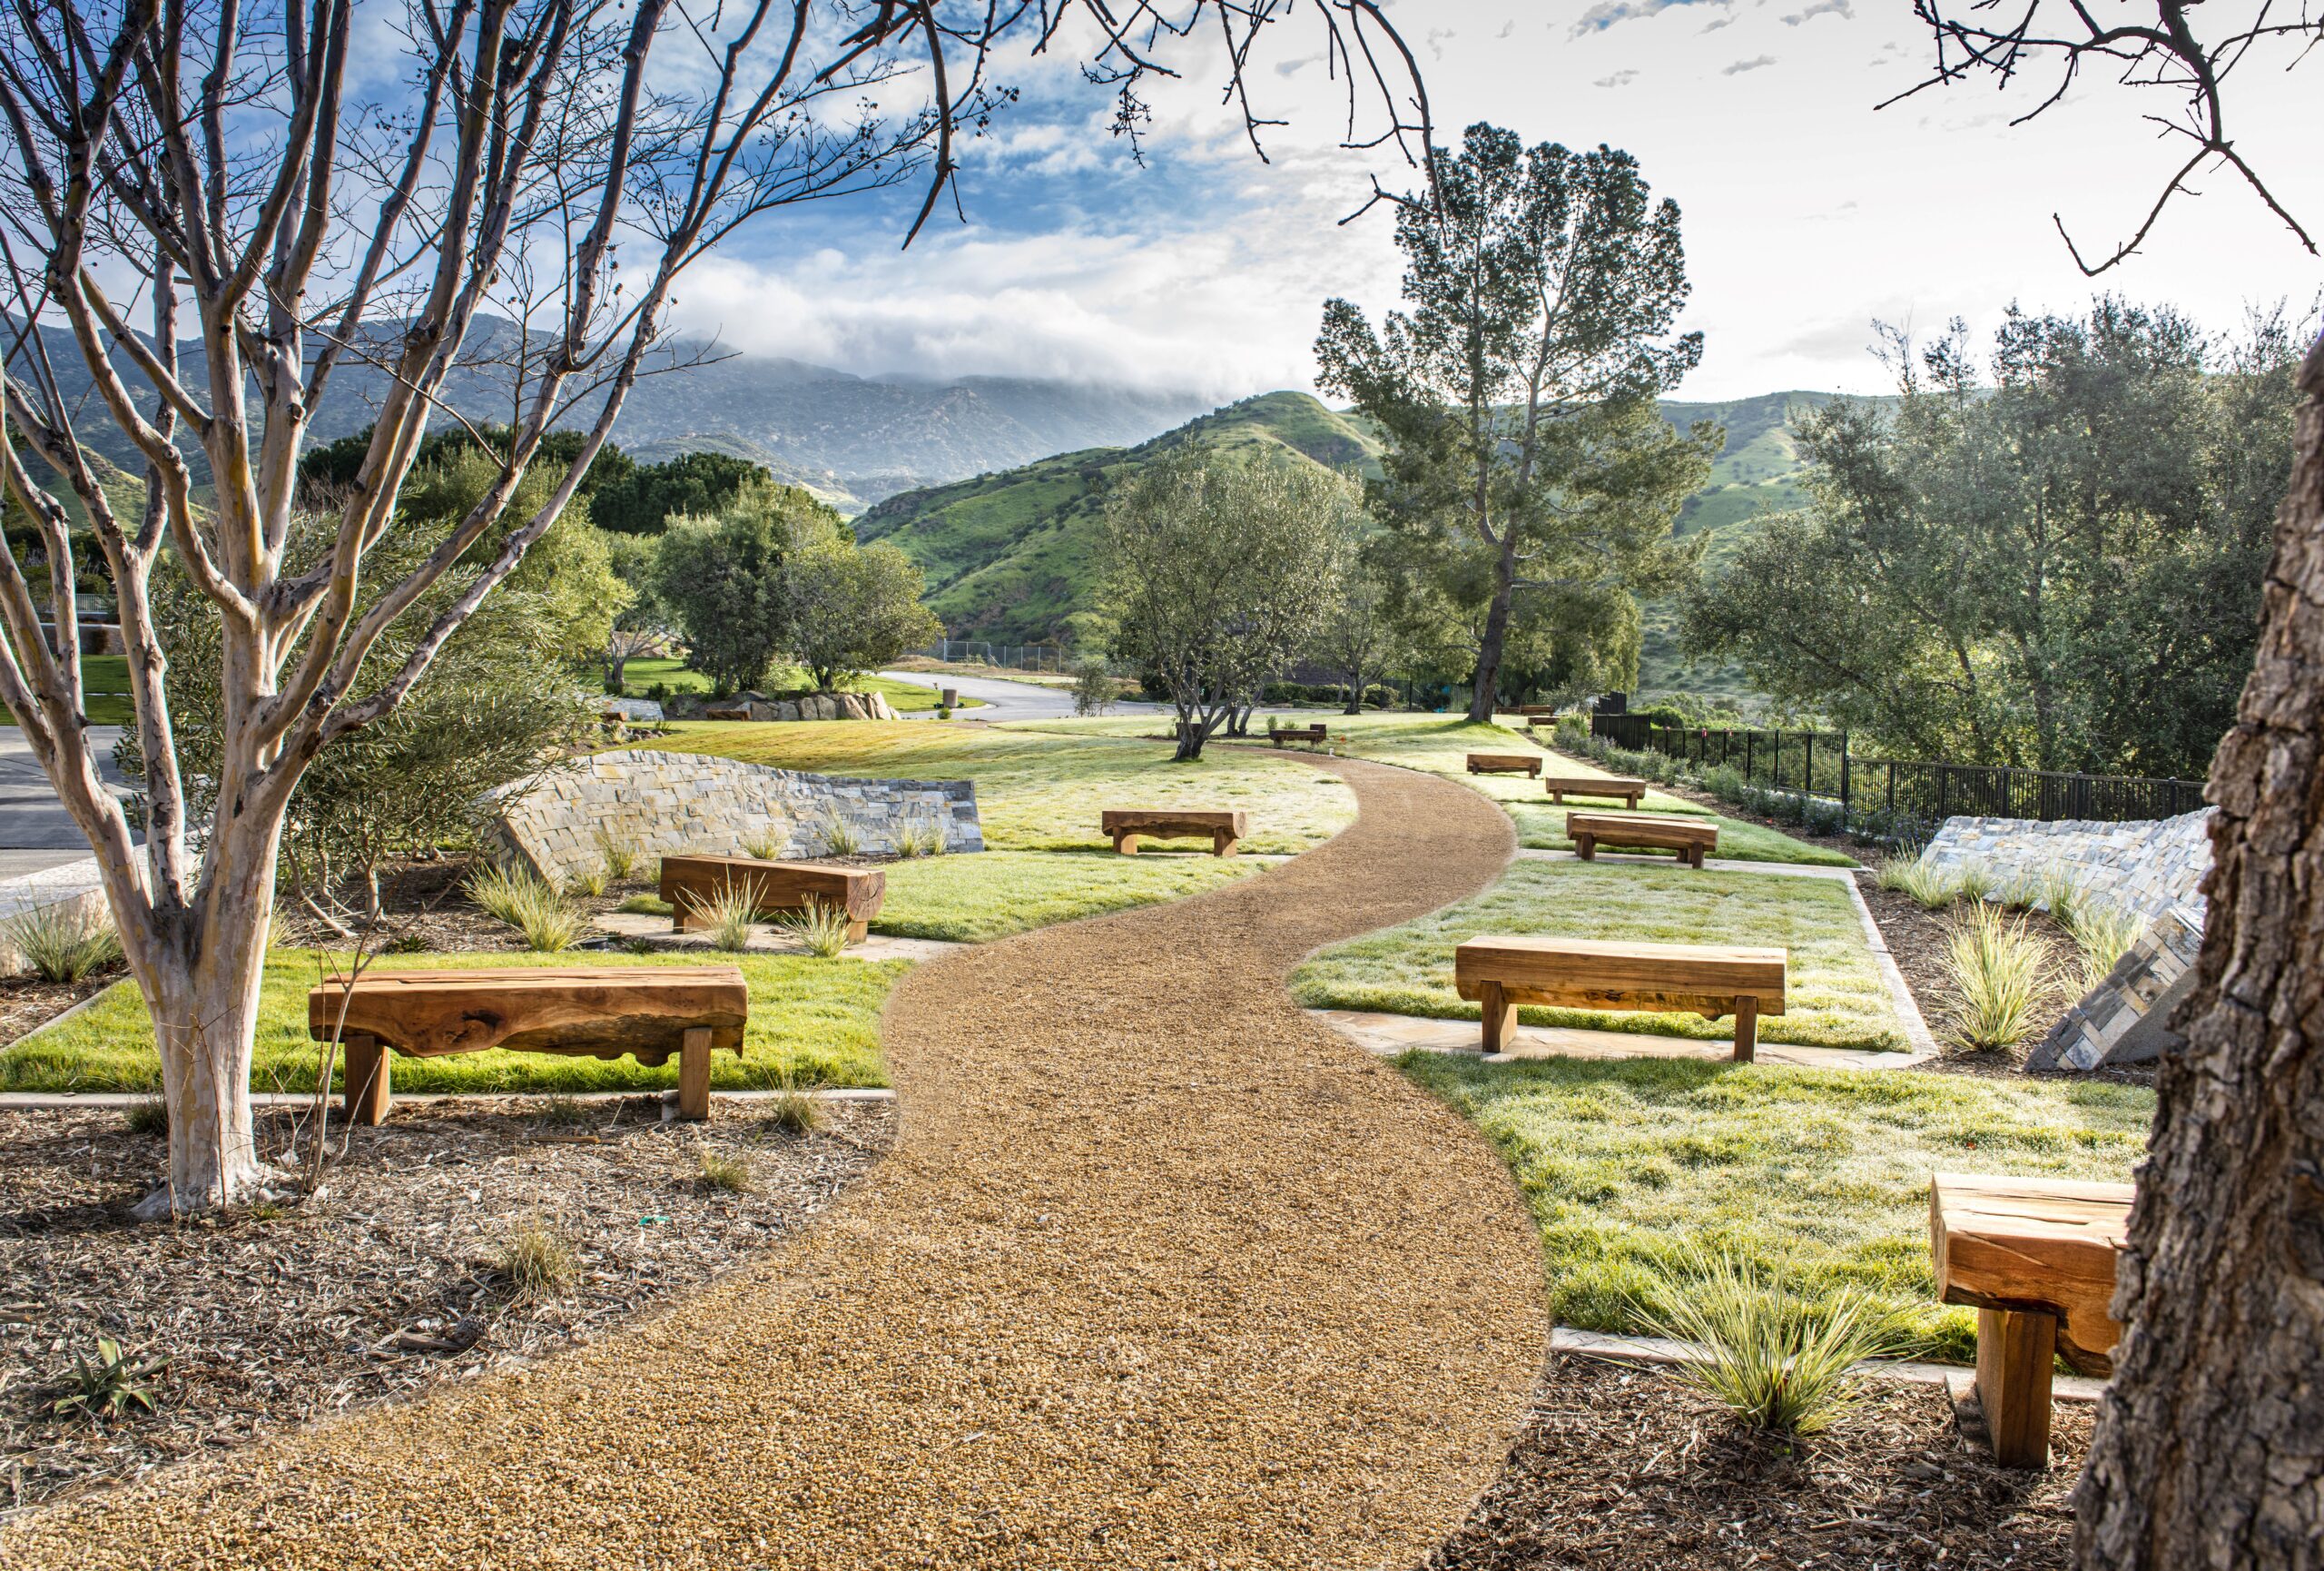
(1973, 880)
(536, 1261)
(589, 881)
(765, 847)
(618, 858)
(2060, 895)
(2103, 935)
(1995, 967)
(790, 1110)
(147, 1115)
(726, 913)
(820, 926)
(841, 839)
(723, 1174)
(1927, 885)
(62, 942)
(531, 904)
(920, 836)
(1776, 1362)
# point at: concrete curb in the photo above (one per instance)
(68, 1098)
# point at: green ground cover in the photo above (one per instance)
(1043, 791)
(812, 1023)
(1441, 745)
(995, 893)
(1821, 1175)
(1836, 995)
(640, 674)
(104, 686)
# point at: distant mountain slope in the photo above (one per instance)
(852, 438)
(1009, 555)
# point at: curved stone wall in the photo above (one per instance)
(658, 803)
(2149, 868)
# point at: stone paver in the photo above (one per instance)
(1389, 1035)
(767, 938)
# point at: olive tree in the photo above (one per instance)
(1217, 572)
(855, 607)
(208, 229)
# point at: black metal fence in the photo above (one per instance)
(1818, 764)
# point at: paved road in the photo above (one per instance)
(35, 831)
(1008, 700)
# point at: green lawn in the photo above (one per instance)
(1043, 791)
(1820, 1174)
(812, 1023)
(104, 689)
(995, 893)
(1441, 745)
(907, 697)
(1835, 995)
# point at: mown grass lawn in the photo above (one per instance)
(1835, 997)
(640, 674)
(812, 1023)
(1044, 791)
(1819, 1175)
(971, 899)
(1441, 745)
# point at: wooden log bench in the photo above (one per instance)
(1504, 762)
(1711, 979)
(1313, 736)
(691, 883)
(733, 712)
(650, 1013)
(1692, 838)
(1629, 791)
(2035, 1258)
(1223, 828)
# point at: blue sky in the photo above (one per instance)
(1807, 215)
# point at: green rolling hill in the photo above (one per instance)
(1011, 555)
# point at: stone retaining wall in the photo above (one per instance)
(73, 885)
(2147, 868)
(658, 803)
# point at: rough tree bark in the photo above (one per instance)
(2210, 1448)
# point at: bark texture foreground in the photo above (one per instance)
(1159, 1272)
(2209, 1450)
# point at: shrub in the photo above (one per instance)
(1724, 782)
(1774, 1362)
(1995, 966)
(727, 1175)
(109, 1386)
(64, 941)
(561, 1111)
(535, 1260)
(821, 926)
(148, 1115)
(2103, 935)
(728, 914)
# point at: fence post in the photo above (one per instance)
(1747, 737)
(1892, 794)
(1844, 774)
(1778, 753)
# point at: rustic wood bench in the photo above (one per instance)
(691, 883)
(1710, 980)
(735, 712)
(2035, 1258)
(648, 1013)
(1313, 736)
(1630, 791)
(1504, 762)
(1223, 828)
(1692, 838)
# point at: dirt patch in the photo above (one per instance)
(1621, 1468)
(27, 1003)
(385, 1283)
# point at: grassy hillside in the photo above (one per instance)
(1009, 555)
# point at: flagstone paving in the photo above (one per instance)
(1161, 1272)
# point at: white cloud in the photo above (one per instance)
(1840, 8)
(1754, 64)
(1606, 13)
(1622, 78)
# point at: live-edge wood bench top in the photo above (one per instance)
(603, 1011)
(1602, 973)
(2034, 1243)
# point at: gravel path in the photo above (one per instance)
(1160, 1272)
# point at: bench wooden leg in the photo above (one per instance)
(857, 932)
(1747, 1029)
(1125, 845)
(2015, 1351)
(694, 1074)
(1558, 797)
(1222, 845)
(1586, 847)
(1498, 1014)
(1695, 857)
(364, 1063)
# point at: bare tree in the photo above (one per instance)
(208, 168)
(2209, 1447)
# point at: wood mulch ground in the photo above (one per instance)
(1621, 1468)
(27, 1002)
(385, 1282)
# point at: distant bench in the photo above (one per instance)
(1710, 980)
(1223, 827)
(1504, 762)
(1692, 838)
(690, 884)
(2035, 1258)
(648, 1013)
(1630, 791)
(1313, 736)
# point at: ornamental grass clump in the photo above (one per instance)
(1927, 885)
(534, 1261)
(1777, 1362)
(1996, 968)
(765, 847)
(62, 942)
(922, 837)
(531, 904)
(2103, 935)
(727, 915)
(820, 926)
(841, 839)
(723, 1174)
(618, 858)
(589, 881)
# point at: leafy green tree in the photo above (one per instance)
(1357, 639)
(2055, 563)
(643, 501)
(1216, 574)
(726, 579)
(1516, 391)
(333, 466)
(855, 607)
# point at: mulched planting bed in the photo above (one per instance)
(1621, 1468)
(26, 1002)
(384, 1282)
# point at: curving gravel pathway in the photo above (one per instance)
(1160, 1273)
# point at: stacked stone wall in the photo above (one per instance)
(2147, 868)
(657, 803)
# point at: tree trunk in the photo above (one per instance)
(2209, 1447)
(1489, 648)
